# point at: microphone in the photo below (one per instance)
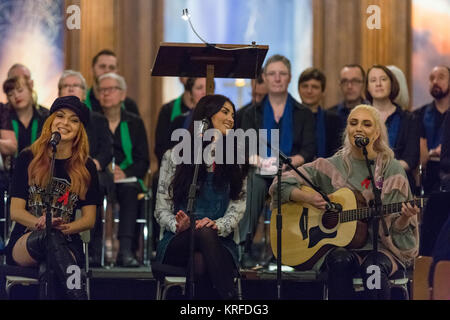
(361, 141)
(54, 140)
(204, 125)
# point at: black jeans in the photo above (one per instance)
(213, 264)
(343, 265)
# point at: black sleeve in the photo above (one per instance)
(5, 120)
(445, 148)
(19, 186)
(105, 146)
(131, 106)
(304, 135)
(411, 148)
(141, 160)
(93, 196)
(333, 133)
(240, 114)
(419, 113)
(162, 134)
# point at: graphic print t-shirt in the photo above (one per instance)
(64, 203)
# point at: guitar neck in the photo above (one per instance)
(364, 213)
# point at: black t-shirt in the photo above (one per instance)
(63, 202)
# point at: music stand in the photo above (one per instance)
(210, 61)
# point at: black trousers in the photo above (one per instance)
(213, 263)
(343, 265)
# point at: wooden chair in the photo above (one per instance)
(421, 287)
(441, 281)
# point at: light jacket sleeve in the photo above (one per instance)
(164, 214)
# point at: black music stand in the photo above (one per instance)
(210, 61)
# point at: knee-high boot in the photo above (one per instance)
(61, 258)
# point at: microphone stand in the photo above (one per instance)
(331, 206)
(377, 213)
(49, 288)
(189, 211)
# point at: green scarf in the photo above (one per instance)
(34, 130)
(176, 111)
(127, 148)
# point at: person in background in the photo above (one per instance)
(130, 161)
(104, 62)
(351, 83)
(259, 91)
(8, 147)
(402, 98)
(296, 125)
(20, 70)
(403, 129)
(197, 90)
(181, 105)
(431, 117)
(311, 87)
(27, 118)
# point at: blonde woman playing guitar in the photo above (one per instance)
(347, 169)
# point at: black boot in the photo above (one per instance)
(61, 259)
(247, 260)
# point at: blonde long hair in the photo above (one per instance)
(39, 168)
(380, 145)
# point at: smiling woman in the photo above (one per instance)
(74, 186)
(347, 169)
(220, 205)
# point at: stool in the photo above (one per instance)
(398, 280)
(11, 281)
(170, 281)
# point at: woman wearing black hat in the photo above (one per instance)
(74, 186)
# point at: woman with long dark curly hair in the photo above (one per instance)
(74, 186)
(219, 205)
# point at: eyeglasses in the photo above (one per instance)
(75, 85)
(108, 90)
(353, 82)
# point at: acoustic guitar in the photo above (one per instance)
(308, 233)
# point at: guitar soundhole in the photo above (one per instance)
(330, 220)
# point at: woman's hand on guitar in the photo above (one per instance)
(317, 201)
(408, 211)
(183, 221)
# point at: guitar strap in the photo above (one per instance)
(360, 200)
